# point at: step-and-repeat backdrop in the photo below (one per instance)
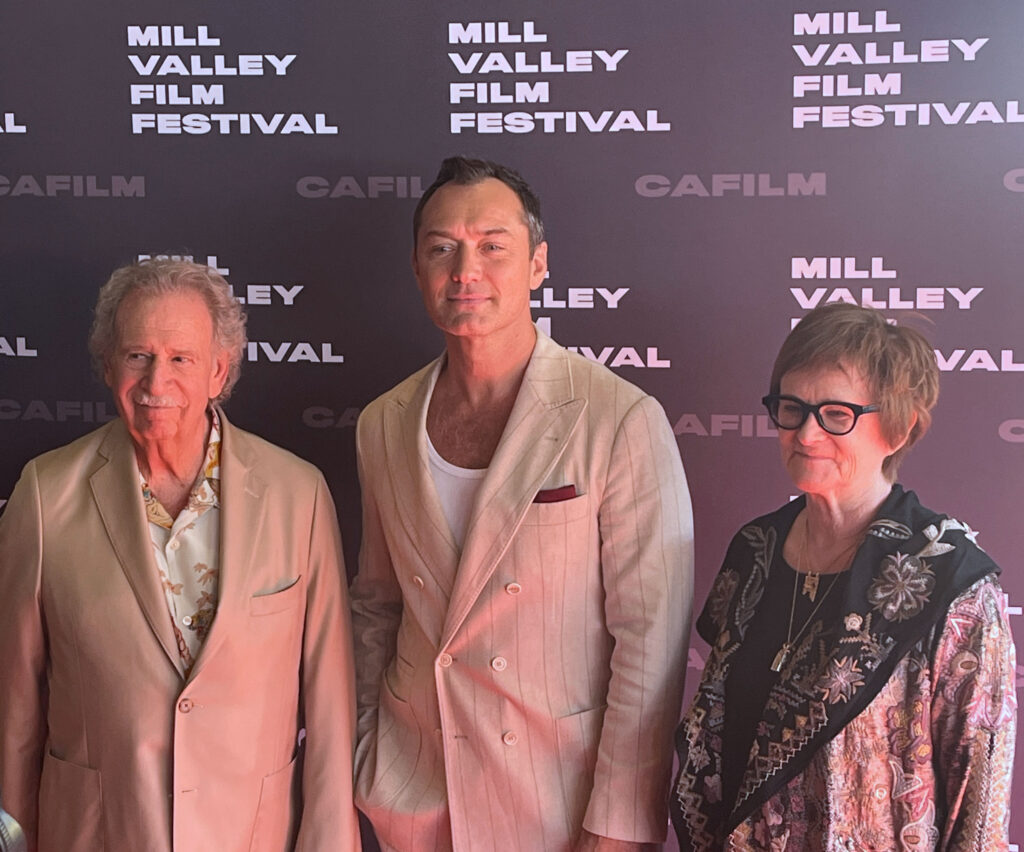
(708, 172)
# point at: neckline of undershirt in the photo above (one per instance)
(452, 469)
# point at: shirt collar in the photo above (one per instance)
(206, 490)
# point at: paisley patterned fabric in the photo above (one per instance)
(897, 733)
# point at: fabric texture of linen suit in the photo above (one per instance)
(511, 694)
(103, 743)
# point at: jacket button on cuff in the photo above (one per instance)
(509, 738)
(186, 705)
(513, 588)
(445, 660)
(499, 664)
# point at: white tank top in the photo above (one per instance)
(457, 488)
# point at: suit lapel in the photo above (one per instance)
(116, 491)
(419, 507)
(542, 421)
(242, 517)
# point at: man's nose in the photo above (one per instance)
(466, 266)
(157, 375)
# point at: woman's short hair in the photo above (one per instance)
(897, 362)
(158, 277)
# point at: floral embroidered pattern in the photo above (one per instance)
(842, 678)
(721, 595)
(902, 588)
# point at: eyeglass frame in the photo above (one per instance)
(808, 408)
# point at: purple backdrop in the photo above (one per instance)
(708, 173)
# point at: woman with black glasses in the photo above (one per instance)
(859, 693)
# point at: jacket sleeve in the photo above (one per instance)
(23, 656)
(646, 529)
(974, 720)
(329, 819)
(376, 600)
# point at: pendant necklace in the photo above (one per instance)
(791, 640)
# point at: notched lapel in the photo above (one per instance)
(242, 518)
(115, 489)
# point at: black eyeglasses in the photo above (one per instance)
(836, 418)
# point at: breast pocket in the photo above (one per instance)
(551, 576)
(559, 513)
(555, 543)
(274, 637)
(279, 601)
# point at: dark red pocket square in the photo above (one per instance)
(555, 495)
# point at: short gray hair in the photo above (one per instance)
(157, 277)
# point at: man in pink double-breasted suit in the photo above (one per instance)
(522, 606)
(173, 608)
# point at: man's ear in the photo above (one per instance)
(219, 373)
(538, 265)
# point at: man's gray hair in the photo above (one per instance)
(158, 277)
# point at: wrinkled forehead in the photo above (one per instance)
(182, 313)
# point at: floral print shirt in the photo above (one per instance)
(895, 734)
(187, 551)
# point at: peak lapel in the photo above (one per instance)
(542, 421)
(419, 507)
(115, 488)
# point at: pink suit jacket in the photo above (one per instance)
(529, 685)
(103, 743)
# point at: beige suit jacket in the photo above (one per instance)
(103, 744)
(529, 685)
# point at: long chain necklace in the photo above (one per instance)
(791, 640)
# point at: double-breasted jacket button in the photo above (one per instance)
(499, 664)
(417, 581)
(445, 659)
(509, 738)
(513, 588)
(186, 705)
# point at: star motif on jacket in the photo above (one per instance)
(841, 680)
(902, 588)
